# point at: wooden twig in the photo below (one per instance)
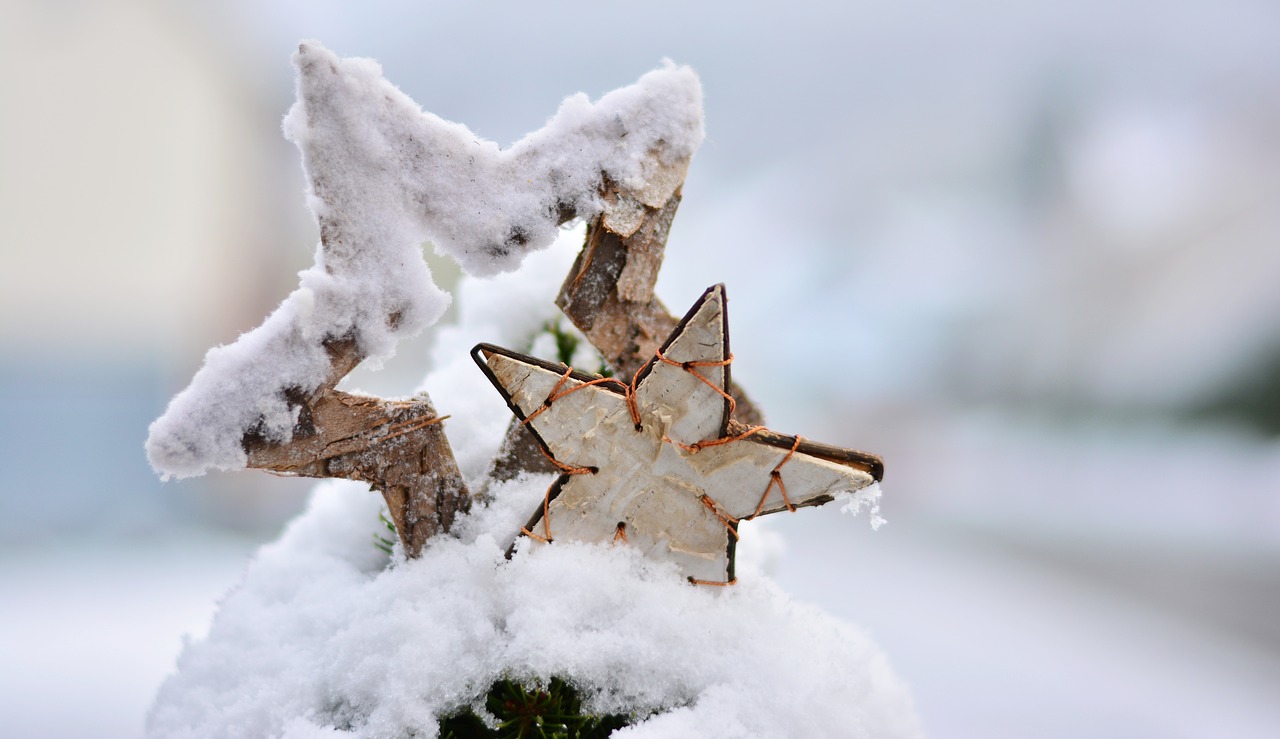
(609, 296)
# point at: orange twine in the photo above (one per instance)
(557, 394)
(700, 445)
(546, 518)
(630, 392)
(725, 518)
(568, 469)
(408, 427)
(691, 368)
(713, 583)
(534, 536)
(775, 478)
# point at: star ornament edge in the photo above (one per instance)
(710, 463)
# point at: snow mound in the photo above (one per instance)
(385, 177)
(321, 640)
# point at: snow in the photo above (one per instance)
(328, 636)
(385, 177)
(369, 149)
(318, 637)
(867, 498)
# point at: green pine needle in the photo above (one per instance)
(382, 542)
(567, 343)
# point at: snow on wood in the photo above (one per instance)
(486, 206)
(384, 177)
(667, 485)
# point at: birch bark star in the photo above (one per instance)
(658, 463)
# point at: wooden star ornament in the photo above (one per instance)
(658, 462)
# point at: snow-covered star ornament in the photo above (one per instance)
(658, 462)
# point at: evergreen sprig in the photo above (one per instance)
(522, 713)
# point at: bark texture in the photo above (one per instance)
(398, 447)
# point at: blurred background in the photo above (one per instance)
(1028, 252)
